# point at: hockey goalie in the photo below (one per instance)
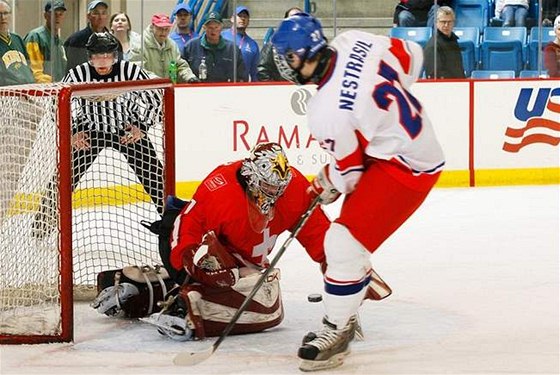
(214, 248)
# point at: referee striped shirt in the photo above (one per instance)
(139, 108)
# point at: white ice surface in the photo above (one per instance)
(475, 275)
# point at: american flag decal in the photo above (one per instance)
(536, 130)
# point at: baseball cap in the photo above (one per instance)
(557, 23)
(54, 4)
(213, 16)
(241, 8)
(161, 20)
(182, 6)
(95, 3)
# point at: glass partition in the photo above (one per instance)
(488, 38)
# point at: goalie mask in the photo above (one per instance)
(267, 174)
(102, 50)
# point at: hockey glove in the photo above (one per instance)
(210, 263)
(323, 187)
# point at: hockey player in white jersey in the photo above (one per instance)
(385, 157)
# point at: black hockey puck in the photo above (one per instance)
(315, 297)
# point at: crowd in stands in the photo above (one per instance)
(169, 40)
(508, 36)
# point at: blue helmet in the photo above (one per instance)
(300, 35)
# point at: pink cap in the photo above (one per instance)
(161, 20)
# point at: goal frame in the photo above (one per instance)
(64, 169)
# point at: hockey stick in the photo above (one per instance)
(193, 358)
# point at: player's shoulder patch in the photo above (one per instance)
(215, 182)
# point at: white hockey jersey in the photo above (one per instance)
(363, 109)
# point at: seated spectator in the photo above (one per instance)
(267, 69)
(512, 12)
(183, 26)
(75, 45)
(442, 55)
(44, 46)
(417, 13)
(14, 61)
(249, 48)
(121, 28)
(160, 51)
(552, 52)
(211, 55)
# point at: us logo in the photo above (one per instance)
(540, 115)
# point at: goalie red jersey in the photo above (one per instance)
(222, 205)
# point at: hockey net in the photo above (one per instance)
(68, 212)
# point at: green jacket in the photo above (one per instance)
(46, 55)
(14, 62)
(156, 59)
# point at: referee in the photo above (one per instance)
(120, 123)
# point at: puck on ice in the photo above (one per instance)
(315, 297)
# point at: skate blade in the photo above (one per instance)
(336, 360)
(156, 323)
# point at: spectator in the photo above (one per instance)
(552, 52)
(183, 26)
(417, 13)
(75, 45)
(44, 46)
(160, 51)
(211, 55)
(266, 69)
(121, 28)
(512, 12)
(442, 55)
(551, 8)
(14, 61)
(249, 48)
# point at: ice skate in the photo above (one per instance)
(171, 321)
(354, 319)
(326, 348)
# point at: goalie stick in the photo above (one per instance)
(193, 358)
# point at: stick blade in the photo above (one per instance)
(192, 358)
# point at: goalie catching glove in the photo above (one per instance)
(210, 263)
(323, 187)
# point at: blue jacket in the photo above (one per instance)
(249, 49)
(219, 59)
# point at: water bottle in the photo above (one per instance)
(173, 71)
(202, 70)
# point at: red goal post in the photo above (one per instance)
(66, 215)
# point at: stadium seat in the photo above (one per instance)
(533, 45)
(420, 35)
(503, 48)
(533, 74)
(468, 54)
(471, 13)
(505, 34)
(492, 74)
(469, 34)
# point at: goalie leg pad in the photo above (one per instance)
(151, 284)
(211, 309)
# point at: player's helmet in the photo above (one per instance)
(267, 174)
(102, 43)
(299, 35)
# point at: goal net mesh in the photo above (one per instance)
(117, 177)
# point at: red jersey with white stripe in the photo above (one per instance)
(221, 204)
(364, 109)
